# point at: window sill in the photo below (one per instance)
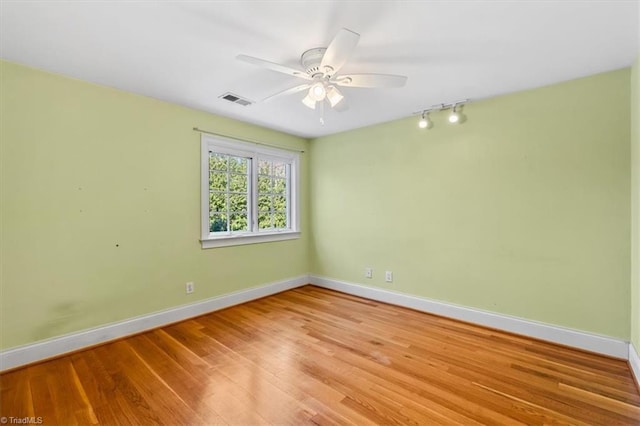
(238, 240)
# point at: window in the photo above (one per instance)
(249, 193)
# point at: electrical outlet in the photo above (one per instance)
(189, 287)
(368, 272)
(388, 276)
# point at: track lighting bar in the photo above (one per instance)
(454, 117)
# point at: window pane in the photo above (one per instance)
(280, 220)
(218, 181)
(238, 202)
(280, 170)
(228, 196)
(264, 184)
(217, 202)
(238, 183)
(264, 167)
(264, 203)
(217, 161)
(239, 221)
(238, 164)
(279, 186)
(264, 221)
(217, 222)
(279, 203)
(272, 195)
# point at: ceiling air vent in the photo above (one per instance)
(236, 99)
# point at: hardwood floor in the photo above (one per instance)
(312, 355)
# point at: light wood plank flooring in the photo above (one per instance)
(312, 355)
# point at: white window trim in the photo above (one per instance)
(246, 149)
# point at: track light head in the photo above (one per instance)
(424, 121)
(454, 117)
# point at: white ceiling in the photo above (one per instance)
(184, 51)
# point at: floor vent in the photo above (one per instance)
(236, 99)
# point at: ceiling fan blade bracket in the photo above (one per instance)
(371, 80)
(343, 81)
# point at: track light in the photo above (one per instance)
(424, 121)
(454, 117)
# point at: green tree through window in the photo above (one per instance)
(249, 193)
(228, 193)
(272, 195)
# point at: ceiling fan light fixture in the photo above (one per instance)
(334, 96)
(321, 67)
(309, 102)
(318, 92)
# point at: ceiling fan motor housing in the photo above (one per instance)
(311, 60)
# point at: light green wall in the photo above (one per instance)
(85, 168)
(635, 204)
(522, 210)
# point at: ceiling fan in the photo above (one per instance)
(321, 66)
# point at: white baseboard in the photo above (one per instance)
(551, 333)
(634, 362)
(22, 355)
(16, 357)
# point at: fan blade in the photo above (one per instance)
(339, 50)
(290, 91)
(273, 66)
(371, 80)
